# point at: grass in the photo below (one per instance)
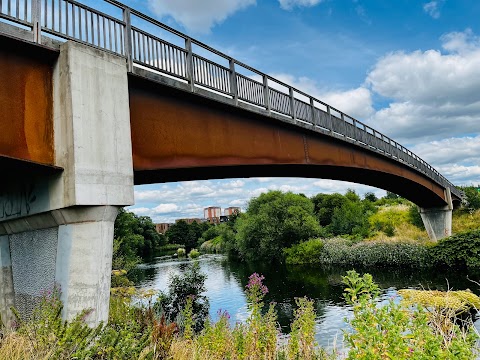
(464, 221)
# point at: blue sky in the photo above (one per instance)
(409, 68)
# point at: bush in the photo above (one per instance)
(375, 253)
(193, 254)
(274, 221)
(189, 284)
(181, 252)
(414, 217)
(458, 250)
(307, 252)
(472, 198)
(397, 331)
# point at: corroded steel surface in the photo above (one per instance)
(183, 137)
(26, 123)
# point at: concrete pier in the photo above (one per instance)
(58, 230)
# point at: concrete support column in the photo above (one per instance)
(84, 261)
(438, 222)
(6, 282)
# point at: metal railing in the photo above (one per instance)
(72, 20)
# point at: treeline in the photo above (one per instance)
(135, 239)
(276, 221)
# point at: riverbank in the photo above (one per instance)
(140, 332)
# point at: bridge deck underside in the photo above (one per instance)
(177, 136)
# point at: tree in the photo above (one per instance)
(189, 284)
(370, 196)
(273, 221)
(325, 205)
(136, 235)
(391, 196)
(472, 197)
(177, 233)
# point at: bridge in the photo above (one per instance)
(93, 102)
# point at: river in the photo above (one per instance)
(226, 282)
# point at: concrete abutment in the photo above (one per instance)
(62, 232)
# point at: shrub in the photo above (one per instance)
(414, 217)
(189, 284)
(307, 252)
(472, 198)
(339, 251)
(395, 331)
(181, 252)
(193, 254)
(458, 250)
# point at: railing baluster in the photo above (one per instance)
(233, 81)
(312, 112)
(292, 104)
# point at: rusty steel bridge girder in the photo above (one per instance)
(178, 136)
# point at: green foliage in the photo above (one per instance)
(301, 344)
(307, 252)
(181, 252)
(219, 239)
(273, 221)
(370, 196)
(189, 284)
(186, 234)
(394, 331)
(359, 287)
(391, 196)
(472, 197)
(351, 219)
(137, 234)
(325, 205)
(458, 250)
(414, 216)
(339, 251)
(193, 254)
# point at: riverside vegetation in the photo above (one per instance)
(326, 229)
(169, 328)
(335, 229)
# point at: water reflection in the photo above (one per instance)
(226, 281)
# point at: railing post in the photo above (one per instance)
(36, 21)
(312, 113)
(233, 82)
(355, 130)
(266, 94)
(190, 74)
(329, 112)
(128, 38)
(292, 105)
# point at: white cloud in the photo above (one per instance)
(165, 208)
(290, 4)
(451, 150)
(434, 94)
(142, 211)
(354, 102)
(238, 202)
(460, 42)
(198, 16)
(432, 9)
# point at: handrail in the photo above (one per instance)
(64, 19)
